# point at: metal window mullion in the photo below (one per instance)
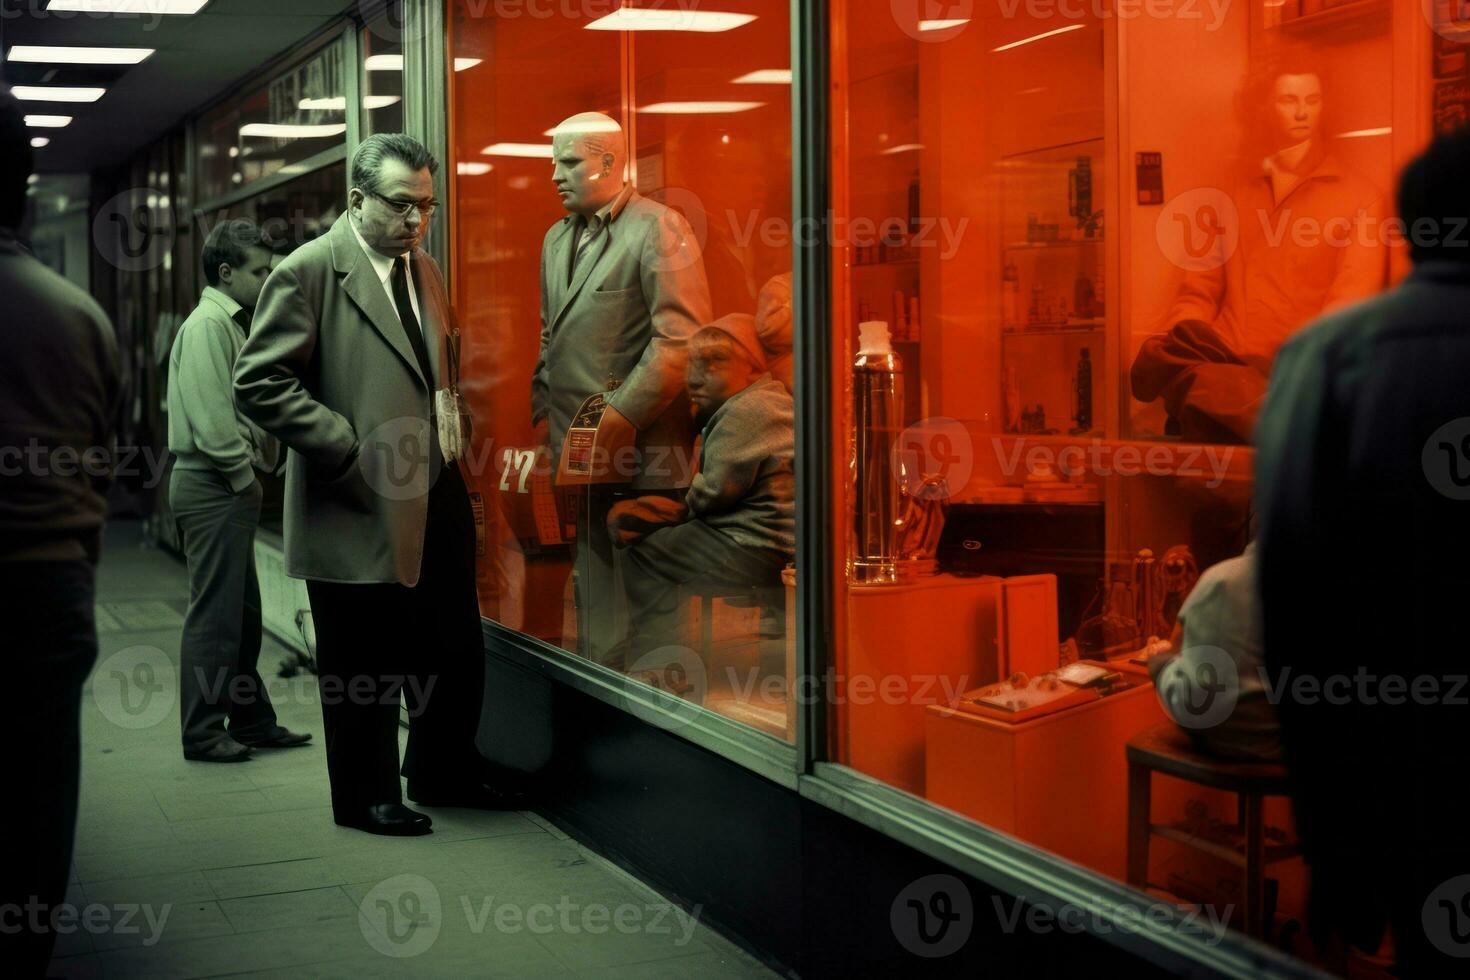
(426, 99)
(811, 304)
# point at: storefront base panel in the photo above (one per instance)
(806, 889)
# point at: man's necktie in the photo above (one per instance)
(242, 317)
(584, 241)
(410, 322)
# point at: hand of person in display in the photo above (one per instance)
(615, 434)
(1166, 653)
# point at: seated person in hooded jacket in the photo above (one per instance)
(736, 527)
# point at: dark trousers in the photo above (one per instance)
(377, 644)
(220, 647)
(51, 645)
(691, 554)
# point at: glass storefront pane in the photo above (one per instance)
(597, 553)
(382, 73)
(1067, 244)
(273, 129)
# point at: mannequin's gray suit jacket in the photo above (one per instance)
(638, 295)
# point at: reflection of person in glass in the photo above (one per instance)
(1310, 239)
(622, 289)
(736, 529)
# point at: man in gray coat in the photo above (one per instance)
(623, 288)
(215, 497)
(352, 357)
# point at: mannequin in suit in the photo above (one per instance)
(623, 288)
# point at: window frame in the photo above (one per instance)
(1007, 863)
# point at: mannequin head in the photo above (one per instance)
(1296, 108)
(591, 156)
(1284, 102)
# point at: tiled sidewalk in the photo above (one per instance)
(196, 870)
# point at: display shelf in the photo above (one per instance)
(1080, 330)
(1059, 243)
(890, 263)
(1328, 18)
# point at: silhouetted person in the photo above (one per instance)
(59, 392)
(1363, 488)
(215, 497)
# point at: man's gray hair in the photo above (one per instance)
(367, 162)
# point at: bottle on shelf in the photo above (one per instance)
(878, 420)
(1082, 386)
(1010, 297)
(1011, 389)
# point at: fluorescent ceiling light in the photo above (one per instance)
(903, 148)
(470, 169)
(643, 19)
(766, 76)
(339, 103)
(1356, 133)
(48, 122)
(128, 6)
(56, 93)
(1037, 37)
(943, 25)
(540, 151)
(394, 62)
(51, 55)
(292, 131)
(39, 141)
(697, 108)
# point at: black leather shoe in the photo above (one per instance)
(388, 820)
(225, 750)
(470, 797)
(282, 738)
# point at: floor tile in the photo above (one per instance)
(271, 877)
(168, 924)
(180, 886)
(262, 913)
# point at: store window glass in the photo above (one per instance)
(273, 129)
(1059, 289)
(382, 72)
(637, 467)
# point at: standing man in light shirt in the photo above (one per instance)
(215, 497)
(353, 364)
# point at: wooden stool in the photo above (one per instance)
(1166, 749)
(758, 597)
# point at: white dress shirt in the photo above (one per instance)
(383, 266)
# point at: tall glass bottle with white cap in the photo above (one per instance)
(878, 414)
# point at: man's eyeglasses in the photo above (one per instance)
(404, 208)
